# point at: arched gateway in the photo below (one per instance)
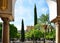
(54, 8)
(6, 14)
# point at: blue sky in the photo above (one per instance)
(24, 9)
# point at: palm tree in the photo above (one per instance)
(43, 20)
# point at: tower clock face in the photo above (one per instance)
(3, 4)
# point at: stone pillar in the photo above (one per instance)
(57, 32)
(5, 30)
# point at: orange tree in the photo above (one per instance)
(34, 33)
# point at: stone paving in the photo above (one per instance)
(32, 42)
(47, 41)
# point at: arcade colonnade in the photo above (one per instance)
(54, 8)
(6, 14)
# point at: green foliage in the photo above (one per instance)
(39, 27)
(13, 31)
(28, 35)
(18, 35)
(43, 19)
(35, 15)
(0, 30)
(22, 32)
(51, 35)
(34, 34)
(39, 31)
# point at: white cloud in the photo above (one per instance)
(19, 2)
(19, 27)
(40, 2)
(26, 13)
(31, 1)
(44, 10)
(22, 13)
(21, 10)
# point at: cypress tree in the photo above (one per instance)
(22, 32)
(35, 15)
(35, 20)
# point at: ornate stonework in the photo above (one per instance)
(7, 9)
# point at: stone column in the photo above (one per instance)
(5, 30)
(57, 32)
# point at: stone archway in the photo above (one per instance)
(6, 14)
(56, 19)
(5, 30)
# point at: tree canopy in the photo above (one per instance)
(0, 30)
(35, 15)
(39, 31)
(13, 31)
(22, 32)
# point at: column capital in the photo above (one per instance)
(58, 22)
(5, 19)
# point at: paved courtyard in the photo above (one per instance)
(47, 41)
(30, 42)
